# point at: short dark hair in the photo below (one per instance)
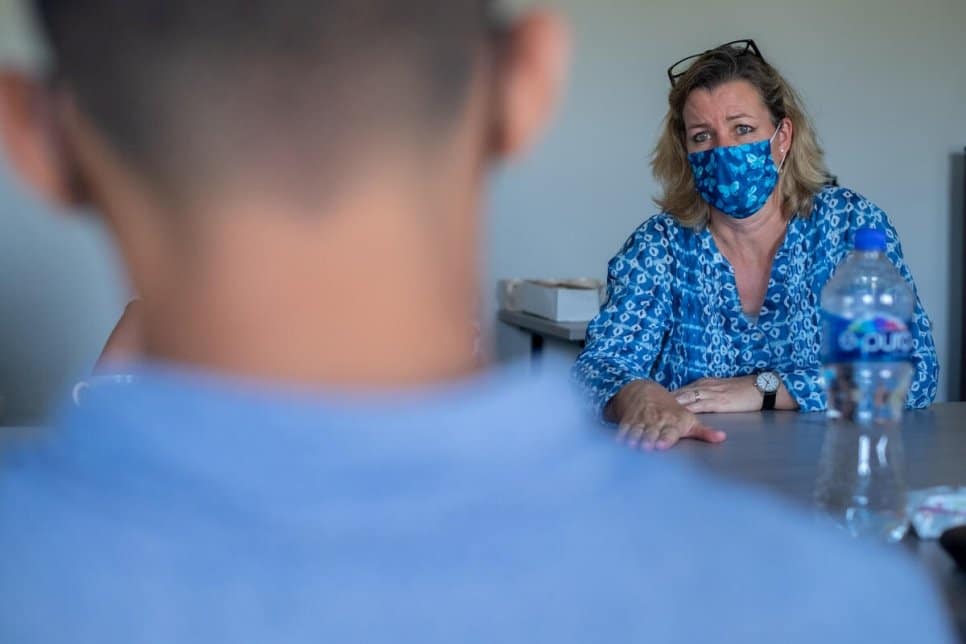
(171, 81)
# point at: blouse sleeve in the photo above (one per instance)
(806, 386)
(625, 339)
(925, 361)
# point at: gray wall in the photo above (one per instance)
(883, 79)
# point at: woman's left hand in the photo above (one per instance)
(714, 395)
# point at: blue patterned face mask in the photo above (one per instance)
(736, 180)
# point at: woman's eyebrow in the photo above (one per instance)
(739, 116)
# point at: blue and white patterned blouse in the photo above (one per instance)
(674, 316)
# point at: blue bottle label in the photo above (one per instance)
(878, 338)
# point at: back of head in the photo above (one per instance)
(184, 122)
(184, 89)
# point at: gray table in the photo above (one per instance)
(780, 451)
(540, 328)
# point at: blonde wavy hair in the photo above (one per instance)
(804, 172)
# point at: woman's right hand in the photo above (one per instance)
(649, 416)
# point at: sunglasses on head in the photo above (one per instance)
(745, 47)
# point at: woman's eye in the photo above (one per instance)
(701, 137)
(744, 129)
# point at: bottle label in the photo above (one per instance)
(876, 338)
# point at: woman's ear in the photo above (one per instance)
(532, 72)
(785, 138)
(32, 140)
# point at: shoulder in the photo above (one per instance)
(531, 480)
(764, 562)
(840, 212)
(663, 226)
(845, 209)
(771, 557)
(659, 236)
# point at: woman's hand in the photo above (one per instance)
(648, 416)
(715, 395)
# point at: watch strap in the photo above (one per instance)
(768, 402)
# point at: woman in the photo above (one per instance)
(714, 304)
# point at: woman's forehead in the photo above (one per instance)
(738, 97)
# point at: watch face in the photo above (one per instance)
(768, 382)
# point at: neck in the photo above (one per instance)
(756, 237)
(378, 292)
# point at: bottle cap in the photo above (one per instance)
(870, 240)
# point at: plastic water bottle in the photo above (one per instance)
(867, 310)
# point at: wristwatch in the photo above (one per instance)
(768, 384)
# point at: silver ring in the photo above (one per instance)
(697, 396)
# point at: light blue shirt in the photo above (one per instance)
(187, 508)
(674, 316)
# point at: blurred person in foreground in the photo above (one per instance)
(310, 453)
(713, 305)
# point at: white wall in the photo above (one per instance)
(883, 79)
